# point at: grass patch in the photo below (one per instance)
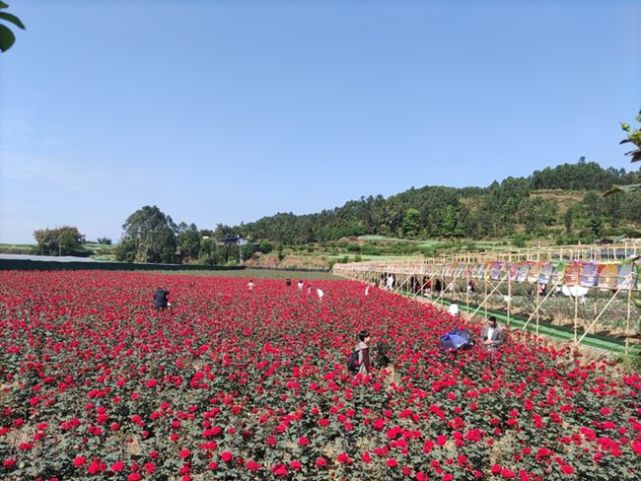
(258, 274)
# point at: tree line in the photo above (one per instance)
(515, 206)
(500, 209)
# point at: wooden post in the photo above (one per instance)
(509, 287)
(576, 313)
(627, 324)
(485, 299)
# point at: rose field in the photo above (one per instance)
(233, 384)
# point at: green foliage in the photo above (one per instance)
(188, 238)
(64, 241)
(103, 241)
(7, 37)
(247, 251)
(148, 237)
(411, 222)
(439, 212)
(633, 137)
(536, 212)
(518, 240)
(265, 246)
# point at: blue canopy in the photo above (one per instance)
(456, 339)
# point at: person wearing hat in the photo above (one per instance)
(362, 348)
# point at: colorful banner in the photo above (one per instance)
(572, 272)
(589, 275)
(495, 271)
(546, 273)
(522, 273)
(624, 278)
(607, 276)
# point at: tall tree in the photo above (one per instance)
(148, 237)
(65, 240)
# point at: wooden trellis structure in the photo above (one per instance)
(590, 289)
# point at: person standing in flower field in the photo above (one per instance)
(362, 348)
(492, 335)
(319, 293)
(251, 285)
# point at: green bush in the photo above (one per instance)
(518, 240)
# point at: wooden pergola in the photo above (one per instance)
(545, 285)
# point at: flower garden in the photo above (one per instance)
(233, 384)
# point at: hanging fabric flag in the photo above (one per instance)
(495, 271)
(558, 272)
(607, 276)
(624, 277)
(589, 275)
(572, 274)
(522, 273)
(535, 270)
(546, 273)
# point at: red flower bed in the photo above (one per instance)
(233, 384)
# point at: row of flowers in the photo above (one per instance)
(231, 383)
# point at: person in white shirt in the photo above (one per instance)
(390, 282)
(300, 285)
(250, 285)
(453, 310)
(320, 293)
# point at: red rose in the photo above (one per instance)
(226, 456)
(343, 458)
(321, 462)
(79, 461)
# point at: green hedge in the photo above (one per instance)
(25, 264)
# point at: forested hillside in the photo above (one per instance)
(565, 201)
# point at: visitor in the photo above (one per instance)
(492, 335)
(288, 282)
(300, 285)
(160, 299)
(251, 285)
(453, 310)
(471, 287)
(320, 293)
(362, 348)
(390, 282)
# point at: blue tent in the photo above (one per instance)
(456, 339)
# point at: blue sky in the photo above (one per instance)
(229, 111)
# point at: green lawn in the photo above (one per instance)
(258, 274)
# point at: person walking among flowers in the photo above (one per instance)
(362, 348)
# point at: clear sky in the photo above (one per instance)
(232, 110)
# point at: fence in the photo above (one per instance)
(590, 290)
